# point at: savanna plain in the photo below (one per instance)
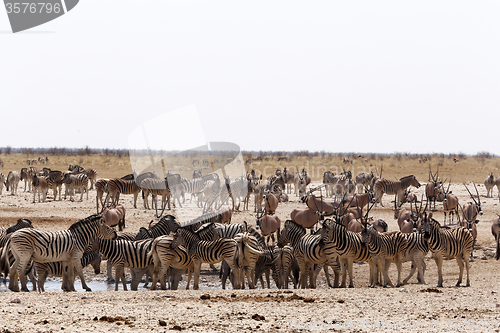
(411, 307)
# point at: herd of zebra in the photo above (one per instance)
(326, 234)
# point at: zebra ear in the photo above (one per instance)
(430, 216)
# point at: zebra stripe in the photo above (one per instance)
(309, 250)
(67, 246)
(444, 242)
(164, 256)
(383, 248)
(41, 186)
(249, 253)
(416, 252)
(210, 252)
(165, 226)
(283, 266)
(44, 270)
(391, 187)
(12, 181)
(101, 187)
(117, 186)
(78, 181)
(349, 247)
(54, 179)
(130, 254)
(91, 175)
(155, 187)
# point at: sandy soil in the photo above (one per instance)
(413, 307)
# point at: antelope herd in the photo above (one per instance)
(329, 229)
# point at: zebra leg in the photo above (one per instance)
(349, 263)
(398, 265)
(109, 268)
(197, 268)
(21, 273)
(438, 259)
(79, 271)
(190, 272)
(138, 274)
(386, 263)
(267, 280)
(42, 276)
(412, 271)
(120, 275)
(460, 263)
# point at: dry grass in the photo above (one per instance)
(466, 169)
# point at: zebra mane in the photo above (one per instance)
(85, 221)
(406, 177)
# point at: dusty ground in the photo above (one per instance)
(414, 307)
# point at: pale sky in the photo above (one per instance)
(339, 76)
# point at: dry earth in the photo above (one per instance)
(412, 307)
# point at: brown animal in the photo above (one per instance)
(114, 216)
(271, 203)
(269, 224)
(328, 207)
(432, 187)
(306, 218)
(408, 220)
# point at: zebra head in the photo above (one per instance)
(427, 225)
(106, 232)
(21, 223)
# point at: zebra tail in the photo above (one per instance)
(497, 255)
(4, 259)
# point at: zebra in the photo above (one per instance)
(489, 183)
(284, 266)
(390, 187)
(444, 242)
(309, 250)
(40, 185)
(165, 256)
(2, 180)
(27, 179)
(119, 235)
(249, 252)
(165, 226)
(363, 181)
(73, 182)
(43, 270)
(117, 186)
(67, 246)
(131, 254)
(383, 248)
(12, 181)
(5, 233)
(101, 187)
(155, 187)
(91, 175)
(210, 252)
(54, 180)
(349, 247)
(416, 252)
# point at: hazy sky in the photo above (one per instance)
(340, 76)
